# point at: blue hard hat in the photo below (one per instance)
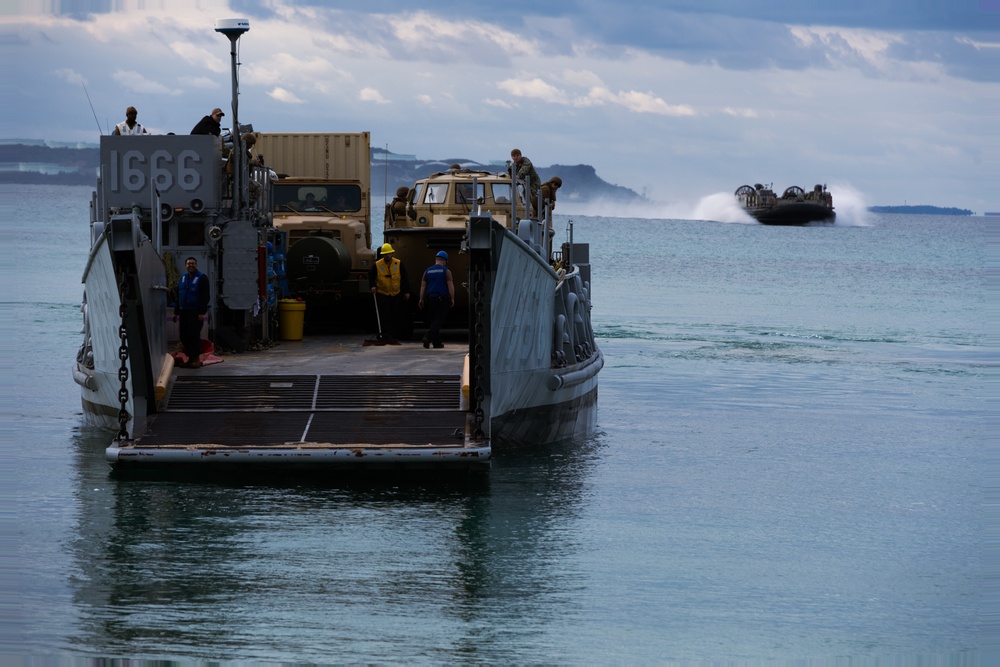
(442, 254)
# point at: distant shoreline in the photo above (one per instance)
(67, 164)
(43, 164)
(921, 210)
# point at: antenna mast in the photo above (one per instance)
(92, 108)
(234, 29)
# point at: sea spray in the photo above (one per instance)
(722, 207)
(849, 203)
(718, 207)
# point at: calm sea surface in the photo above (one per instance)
(790, 465)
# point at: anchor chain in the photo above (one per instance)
(123, 356)
(479, 342)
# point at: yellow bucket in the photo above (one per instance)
(291, 318)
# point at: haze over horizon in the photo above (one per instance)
(677, 100)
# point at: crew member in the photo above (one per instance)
(523, 169)
(191, 306)
(391, 288)
(437, 296)
(129, 126)
(548, 192)
(210, 124)
(397, 209)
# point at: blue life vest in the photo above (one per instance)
(188, 292)
(437, 281)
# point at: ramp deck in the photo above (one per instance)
(267, 411)
(323, 401)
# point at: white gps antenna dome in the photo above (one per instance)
(232, 27)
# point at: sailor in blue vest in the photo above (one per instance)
(191, 306)
(437, 296)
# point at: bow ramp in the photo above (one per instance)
(252, 410)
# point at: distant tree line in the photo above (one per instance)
(80, 164)
(920, 210)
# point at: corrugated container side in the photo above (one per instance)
(327, 155)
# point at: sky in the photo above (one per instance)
(891, 102)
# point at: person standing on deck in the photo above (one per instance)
(389, 280)
(129, 126)
(397, 209)
(548, 191)
(191, 306)
(523, 169)
(250, 160)
(210, 124)
(437, 295)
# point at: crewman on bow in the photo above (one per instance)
(129, 126)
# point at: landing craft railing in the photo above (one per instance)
(260, 195)
(537, 233)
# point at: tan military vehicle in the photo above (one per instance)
(432, 216)
(322, 201)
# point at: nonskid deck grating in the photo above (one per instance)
(276, 393)
(409, 392)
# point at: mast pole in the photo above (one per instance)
(234, 29)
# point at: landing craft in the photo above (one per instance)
(794, 207)
(521, 369)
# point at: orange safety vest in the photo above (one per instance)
(388, 278)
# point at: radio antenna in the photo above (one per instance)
(92, 107)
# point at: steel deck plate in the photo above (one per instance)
(223, 393)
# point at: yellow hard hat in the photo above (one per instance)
(386, 249)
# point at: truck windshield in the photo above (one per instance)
(335, 197)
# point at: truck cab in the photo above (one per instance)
(321, 204)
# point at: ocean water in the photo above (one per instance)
(790, 466)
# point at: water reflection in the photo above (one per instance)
(278, 569)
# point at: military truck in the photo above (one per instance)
(321, 201)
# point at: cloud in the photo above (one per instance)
(631, 100)
(428, 37)
(372, 95)
(201, 56)
(138, 82)
(199, 82)
(295, 71)
(534, 88)
(649, 103)
(581, 78)
(502, 104)
(70, 76)
(281, 95)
